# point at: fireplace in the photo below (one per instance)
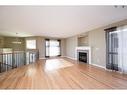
(83, 57)
(83, 53)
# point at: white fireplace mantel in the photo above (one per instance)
(82, 49)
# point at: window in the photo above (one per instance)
(52, 48)
(116, 44)
(31, 44)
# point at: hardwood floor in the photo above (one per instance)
(61, 73)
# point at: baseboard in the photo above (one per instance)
(90, 64)
(98, 66)
(70, 57)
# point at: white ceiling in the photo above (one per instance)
(56, 21)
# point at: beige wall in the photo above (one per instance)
(6, 42)
(63, 47)
(96, 40)
(71, 44)
(40, 45)
(98, 43)
(98, 46)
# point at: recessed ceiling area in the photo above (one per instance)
(56, 21)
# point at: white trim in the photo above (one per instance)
(86, 48)
(90, 64)
(98, 66)
(70, 57)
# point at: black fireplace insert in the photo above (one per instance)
(83, 57)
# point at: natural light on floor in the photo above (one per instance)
(52, 64)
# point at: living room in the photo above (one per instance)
(63, 47)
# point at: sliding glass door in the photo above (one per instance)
(52, 48)
(112, 49)
(116, 39)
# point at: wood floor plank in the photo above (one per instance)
(61, 73)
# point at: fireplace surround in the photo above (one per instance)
(83, 53)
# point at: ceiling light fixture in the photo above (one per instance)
(17, 40)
